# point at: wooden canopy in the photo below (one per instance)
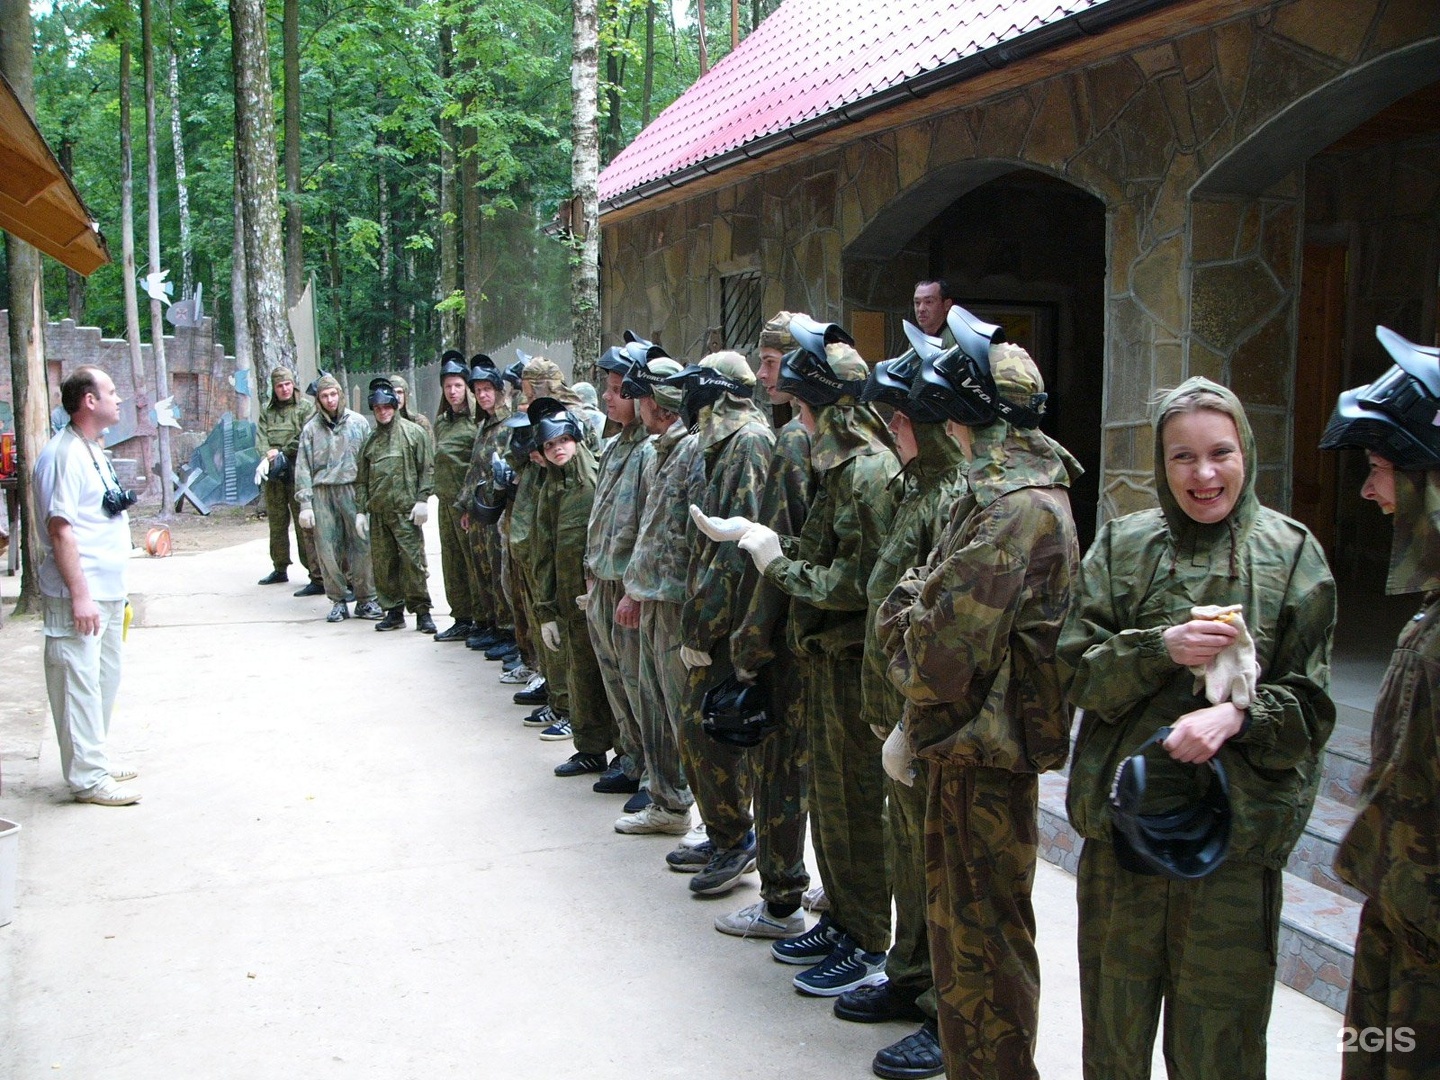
(38, 203)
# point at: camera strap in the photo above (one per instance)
(95, 460)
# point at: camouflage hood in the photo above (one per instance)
(727, 416)
(1006, 458)
(846, 430)
(938, 452)
(1188, 533)
(1415, 550)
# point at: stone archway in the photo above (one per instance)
(1020, 246)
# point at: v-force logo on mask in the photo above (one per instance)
(730, 386)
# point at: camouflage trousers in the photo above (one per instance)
(908, 965)
(397, 555)
(590, 716)
(517, 603)
(719, 773)
(1394, 992)
(457, 568)
(1204, 949)
(491, 604)
(780, 773)
(847, 801)
(980, 846)
(551, 664)
(617, 651)
(343, 554)
(280, 510)
(664, 696)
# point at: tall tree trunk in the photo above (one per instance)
(704, 52)
(611, 145)
(239, 308)
(449, 226)
(387, 293)
(74, 282)
(29, 393)
(734, 24)
(294, 221)
(255, 139)
(584, 170)
(182, 181)
(648, 90)
(337, 277)
(470, 233)
(144, 427)
(157, 310)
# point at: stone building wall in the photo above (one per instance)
(1199, 280)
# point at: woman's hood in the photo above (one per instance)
(1182, 526)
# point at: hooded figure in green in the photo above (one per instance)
(277, 434)
(1392, 852)
(1205, 948)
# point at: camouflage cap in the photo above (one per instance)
(732, 365)
(846, 363)
(1017, 378)
(400, 384)
(538, 369)
(281, 374)
(325, 382)
(775, 334)
(586, 392)
(667, 397)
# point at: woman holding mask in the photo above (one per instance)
(1131, 648)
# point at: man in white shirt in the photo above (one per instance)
(86, 546)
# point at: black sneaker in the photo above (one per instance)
(369, 609)
(541, 717)
(690, 860)
(537, 695)
(512, 661)
(424, 623)
(914, 1056)
(725, 868)
(848, 967)
(810, 947)
(613, 781)
(502, 648)
(394, 620)
(312, 588)
(275, 577)
(459, 631)
(578, 764)
(876, 1004)
(637, 802)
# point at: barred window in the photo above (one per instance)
(740, 314)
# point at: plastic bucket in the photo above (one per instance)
(9, 868)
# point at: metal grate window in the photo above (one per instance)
(740, 314)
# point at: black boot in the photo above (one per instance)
(394, 619)
(424, 623)
(459, 632)
(275, 577)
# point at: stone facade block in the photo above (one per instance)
(1260, 367)
(1230, 299)
(1327, 26)
(1156, 283)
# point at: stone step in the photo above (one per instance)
(1313, 859)
(1317, 926)
(1346, 761)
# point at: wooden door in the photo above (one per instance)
(1318, 369)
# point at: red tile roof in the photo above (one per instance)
(814, 57)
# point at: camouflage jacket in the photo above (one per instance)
(1392, 852)
(972, 632)
(735, 445)
(524, 506)
(926, 489)
(329, 451)
(397, 468)
(1142, 575)
(492, 438)
(557, 540)
(280, 422)
(788, 490)
(619, 501)
(455, 435)
(823, 569)
(660, 564)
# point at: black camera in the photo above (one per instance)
(118, 500)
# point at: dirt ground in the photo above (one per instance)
(191, 532)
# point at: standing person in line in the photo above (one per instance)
(932, 304)
(971, 635)
(456, 429)
(780, 764)
(278, 437)
(494, 615)
(393, 484)
(402, 395)
(325, 472)
(1392, 852)
(84, 551)
(1203, 951)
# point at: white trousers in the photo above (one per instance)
(82, 675)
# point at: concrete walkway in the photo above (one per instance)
(353, 861)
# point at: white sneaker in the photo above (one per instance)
(695, 837)
(521, 674)
(108, 793)
(756, 921)
(815, 899)
(654, 819)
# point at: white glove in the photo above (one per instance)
(762, 545)
(693, 658)
(307, 518)
(583, 601)
(719, 529)
(746, 677)
(1231, 673)
(362, 526)
(262, 471)
(420, 513)
(898, 758)
(550, 634)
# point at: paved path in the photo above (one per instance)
(353, 861)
